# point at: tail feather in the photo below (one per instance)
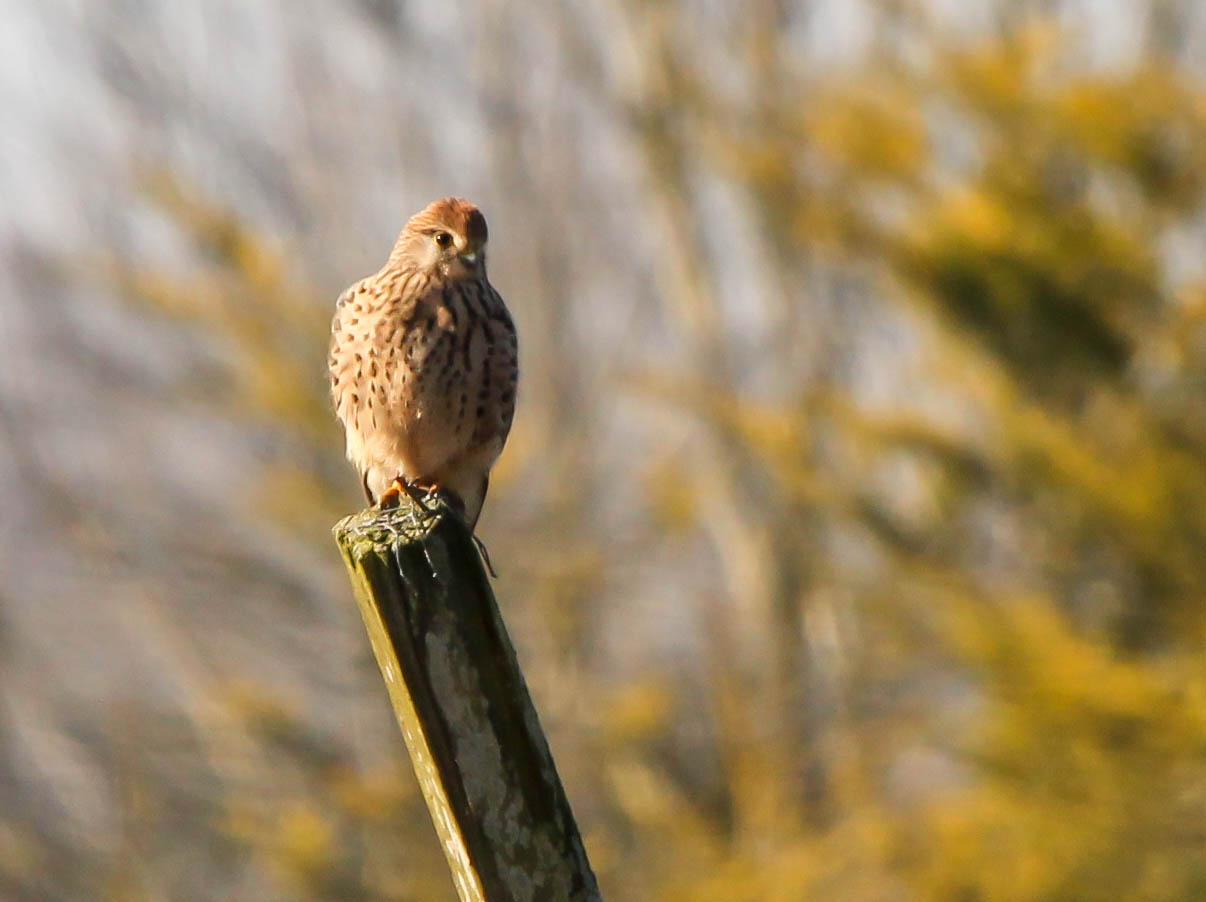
(473, 504)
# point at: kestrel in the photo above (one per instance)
(424, 364)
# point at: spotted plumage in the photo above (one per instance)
(424, 363)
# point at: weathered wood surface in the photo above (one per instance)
(477, 747)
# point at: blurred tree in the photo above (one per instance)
(871, 382)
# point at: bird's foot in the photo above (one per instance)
(392, 496)
(420, 495)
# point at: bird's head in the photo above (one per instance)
(447, 238)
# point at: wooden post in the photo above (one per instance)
(481, 758)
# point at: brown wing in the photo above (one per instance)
(502, 370)
(342, 336)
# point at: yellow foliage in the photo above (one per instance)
(1000, 74)
(373, 796)
(979, 217)
(638, 711)
(873, 129)
(304, 843)
(1037, 629)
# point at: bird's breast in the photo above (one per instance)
(421, 380)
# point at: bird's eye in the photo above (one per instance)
(443, 239)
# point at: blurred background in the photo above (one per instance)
(852, 530)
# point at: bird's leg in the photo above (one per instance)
(391, 496)
(419, 494)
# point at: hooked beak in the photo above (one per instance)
(469, 258)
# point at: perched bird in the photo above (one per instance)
(424, 364)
